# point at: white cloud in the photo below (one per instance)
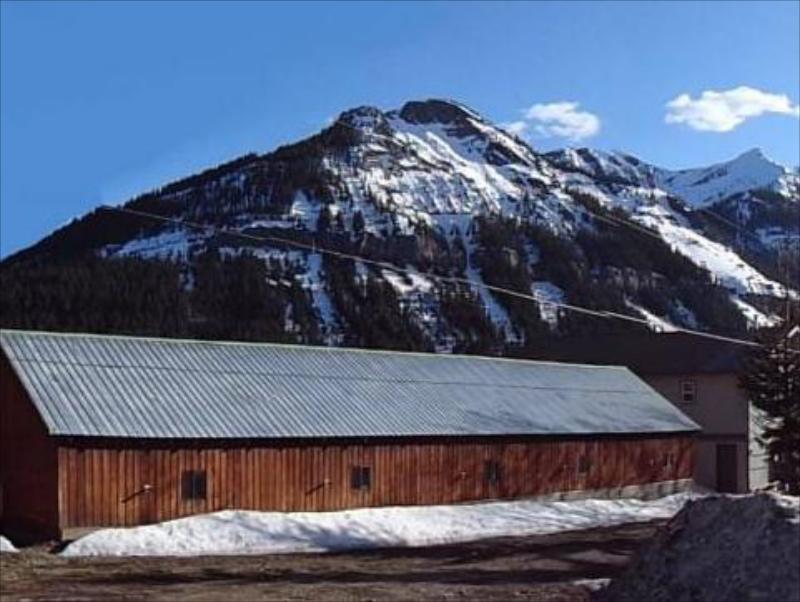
(518, 128)
(562, 120)
(723, 111)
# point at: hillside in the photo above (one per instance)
(436, 188)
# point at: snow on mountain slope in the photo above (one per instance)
(171, 243)
(699, 187)
(431, 159)
(605, 167)
(653, 197)
(438, 158)
(656, 322)
(480, 169)
(550, 295)
(728, 267)
(409, 186)
(749, 171)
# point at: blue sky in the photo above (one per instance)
(100, 101)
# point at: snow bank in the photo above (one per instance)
(6, 546)
(247, 532)
(719, 548)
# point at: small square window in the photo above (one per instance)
(361, 477)
(688, 391)
(584, 464)
(193, 485)
(492, 472)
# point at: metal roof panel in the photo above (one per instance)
(114, 386)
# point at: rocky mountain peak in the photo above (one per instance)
(613, 166)
(365, 118)
(753, 153)
(437, 111)
(752, 170)
(755, 159)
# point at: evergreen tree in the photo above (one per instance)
(324, 220)
(771, 377)
(358, 223)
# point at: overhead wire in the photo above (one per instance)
(314, 248)
(609, 219)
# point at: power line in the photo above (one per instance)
(616, 221)
(450, 279)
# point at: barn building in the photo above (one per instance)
(106, 430)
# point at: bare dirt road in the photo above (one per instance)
(515, 568)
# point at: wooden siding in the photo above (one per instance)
(28, 467)
(109, 483)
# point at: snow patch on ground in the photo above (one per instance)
(727, 266)
(408, 283)
(744, 547)
(314, 281)
(282, 224)
(685, 315)
(496, 312)
(547, 291)
(249, 532)
(304, 210)
(592, 585)
(655, 322)
(755, 318)
(171, 244)
(6, 546)
(416, 292)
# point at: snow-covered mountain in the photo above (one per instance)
(750, 195)
(435, 187)
(750, 171)
(699, 187)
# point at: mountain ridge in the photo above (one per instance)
(434, 185)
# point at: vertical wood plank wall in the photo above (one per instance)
(28, 463)
(114, 485)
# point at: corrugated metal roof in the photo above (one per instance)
(115, 386)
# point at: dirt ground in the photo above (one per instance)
(514, 568)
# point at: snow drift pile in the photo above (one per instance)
(720, 548)
(247, 532)
(6, 546)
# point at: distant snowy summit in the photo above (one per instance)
(434, 186)
(750, 172)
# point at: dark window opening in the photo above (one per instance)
(193, 485)
(361, 477)
(584, 464)
(492, 472)
(688, 391)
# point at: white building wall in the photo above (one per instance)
(724, 413)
